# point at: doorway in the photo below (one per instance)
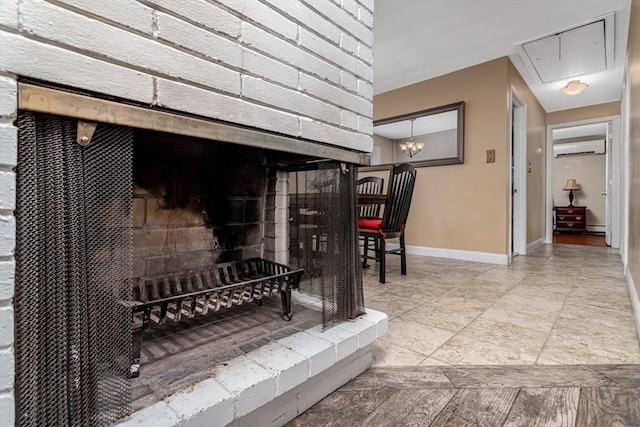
(517, 175)
(586, 152)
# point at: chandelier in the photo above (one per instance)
(411, 147)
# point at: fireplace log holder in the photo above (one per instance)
(180, 296)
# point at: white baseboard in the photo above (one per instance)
(486, 257)
(633, 294)
(535, 244)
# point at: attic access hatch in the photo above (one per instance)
(584, 49)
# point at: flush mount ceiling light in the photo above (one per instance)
(574, 87)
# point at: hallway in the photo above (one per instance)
(560, 304)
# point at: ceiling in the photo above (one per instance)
(416, 40)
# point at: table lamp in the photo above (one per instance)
(571, 185)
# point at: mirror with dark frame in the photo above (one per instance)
(430, 137)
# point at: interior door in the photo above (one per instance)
(518, 178)
(608, 187)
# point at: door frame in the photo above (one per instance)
(614, 180)
(518, 180)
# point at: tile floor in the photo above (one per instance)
(560, 304)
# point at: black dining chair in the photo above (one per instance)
(402, 179)
(369, 185)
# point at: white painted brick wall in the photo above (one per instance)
(198, 40)
(9, 98)
(138, 16)
(7, 409)
(25, 57)
(8, 159)
(266, 16)
(266, 43)
(7, 275)
(9, 14)
(7, 190)
(7, 367)
(6, 326)
(270, 69)
(7, 235)
(350, 6)
(202, 13)
(8, 144)
(130, 48)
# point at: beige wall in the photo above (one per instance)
(536, 158)
(634, 143)
(584, 113)
(465, 207)
(386, 148)
(589, 171)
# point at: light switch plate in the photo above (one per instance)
(491, 156)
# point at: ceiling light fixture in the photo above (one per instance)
(574, 87)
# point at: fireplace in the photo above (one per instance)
(280, 86)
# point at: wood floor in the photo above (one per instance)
(578, 395)
(579, 239)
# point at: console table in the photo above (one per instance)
(571, 218)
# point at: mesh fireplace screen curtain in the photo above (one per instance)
(324, 238)
(73, 256)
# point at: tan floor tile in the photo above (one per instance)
(505, 334)
(558, 304)
(416, 336)
(586, 326)
(559, 269)
(537, 297)
(571, 351)
(514, 301)
(451, 314)
(477, 293)
(470, 351)
(520, 317)
(387, 354)
(543, 361)
(423, 292)
(618, 339)
(597, 272)
(390, 304)
(430, 361)
(502, 275)
(594, 313)
(549, 280)
(449, 277)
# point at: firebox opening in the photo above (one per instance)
(93, 220)
(195, 203)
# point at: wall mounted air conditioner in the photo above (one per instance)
(583, 147)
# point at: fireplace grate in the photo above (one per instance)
(181, 295)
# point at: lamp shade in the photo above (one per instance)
(571, 185)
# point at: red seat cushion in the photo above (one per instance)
(369, 223)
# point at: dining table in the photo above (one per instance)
(371, 199)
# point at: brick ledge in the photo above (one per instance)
(249, 382)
